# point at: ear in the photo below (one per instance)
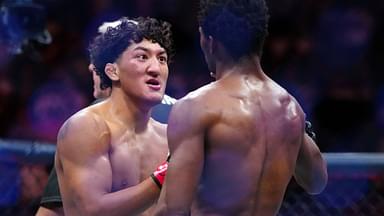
(202, 35)
(212, 45)
(206, 41)
(112, 72)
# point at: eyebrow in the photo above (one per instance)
(163, 51)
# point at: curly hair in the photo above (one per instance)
(240, 25)
(108, 46)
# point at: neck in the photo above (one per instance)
(129, 111)
(245, 65)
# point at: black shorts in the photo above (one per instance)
(51, 196)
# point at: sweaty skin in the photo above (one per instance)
(107, 151)
(108, 158)
(237, 142)
(236, 150)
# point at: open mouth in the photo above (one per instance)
(153, 84)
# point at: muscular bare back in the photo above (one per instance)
(251, 148)
(99, 153)
(252, 130)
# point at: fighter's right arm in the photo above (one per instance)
(186, 131)
(311, 170)
(85, 176)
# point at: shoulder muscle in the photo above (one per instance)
(81, 135)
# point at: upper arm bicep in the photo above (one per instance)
(185, 134)
(186, 131)
(83, 156)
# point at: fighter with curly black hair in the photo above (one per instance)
(244, 136)
(108, 47)
(241, 26)
(108, 154)
(51, 202)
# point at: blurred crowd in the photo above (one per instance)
(328, 54)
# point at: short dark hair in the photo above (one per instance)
(108, 47)
(240, 25)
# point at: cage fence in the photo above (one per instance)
(355, 185)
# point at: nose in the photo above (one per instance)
(154, 68)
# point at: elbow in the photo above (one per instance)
(314, 182)
(322, 183)
(311, 173)
(317, 189)
(321, 180)
(318, 184)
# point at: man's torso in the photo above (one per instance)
(132, 155)
(251, 147)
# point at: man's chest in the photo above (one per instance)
(133, 160)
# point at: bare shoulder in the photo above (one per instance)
(196, 106)
(288, 102)
(200, 98)
(295, 106)
(203, 96)
(81, 131)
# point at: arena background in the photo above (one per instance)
(328, 54)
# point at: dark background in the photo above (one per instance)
(328, 54)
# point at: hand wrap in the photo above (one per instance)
(309, 130)
(159, 175)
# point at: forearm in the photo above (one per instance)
(43, 211)
(181, 183)
(163, 210)
(180, 186)
(311, 169)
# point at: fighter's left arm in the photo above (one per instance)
(311, 168)
(185, 132)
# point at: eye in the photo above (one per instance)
(163, 59)
(142, 57)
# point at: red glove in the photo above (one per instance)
(159, 175)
